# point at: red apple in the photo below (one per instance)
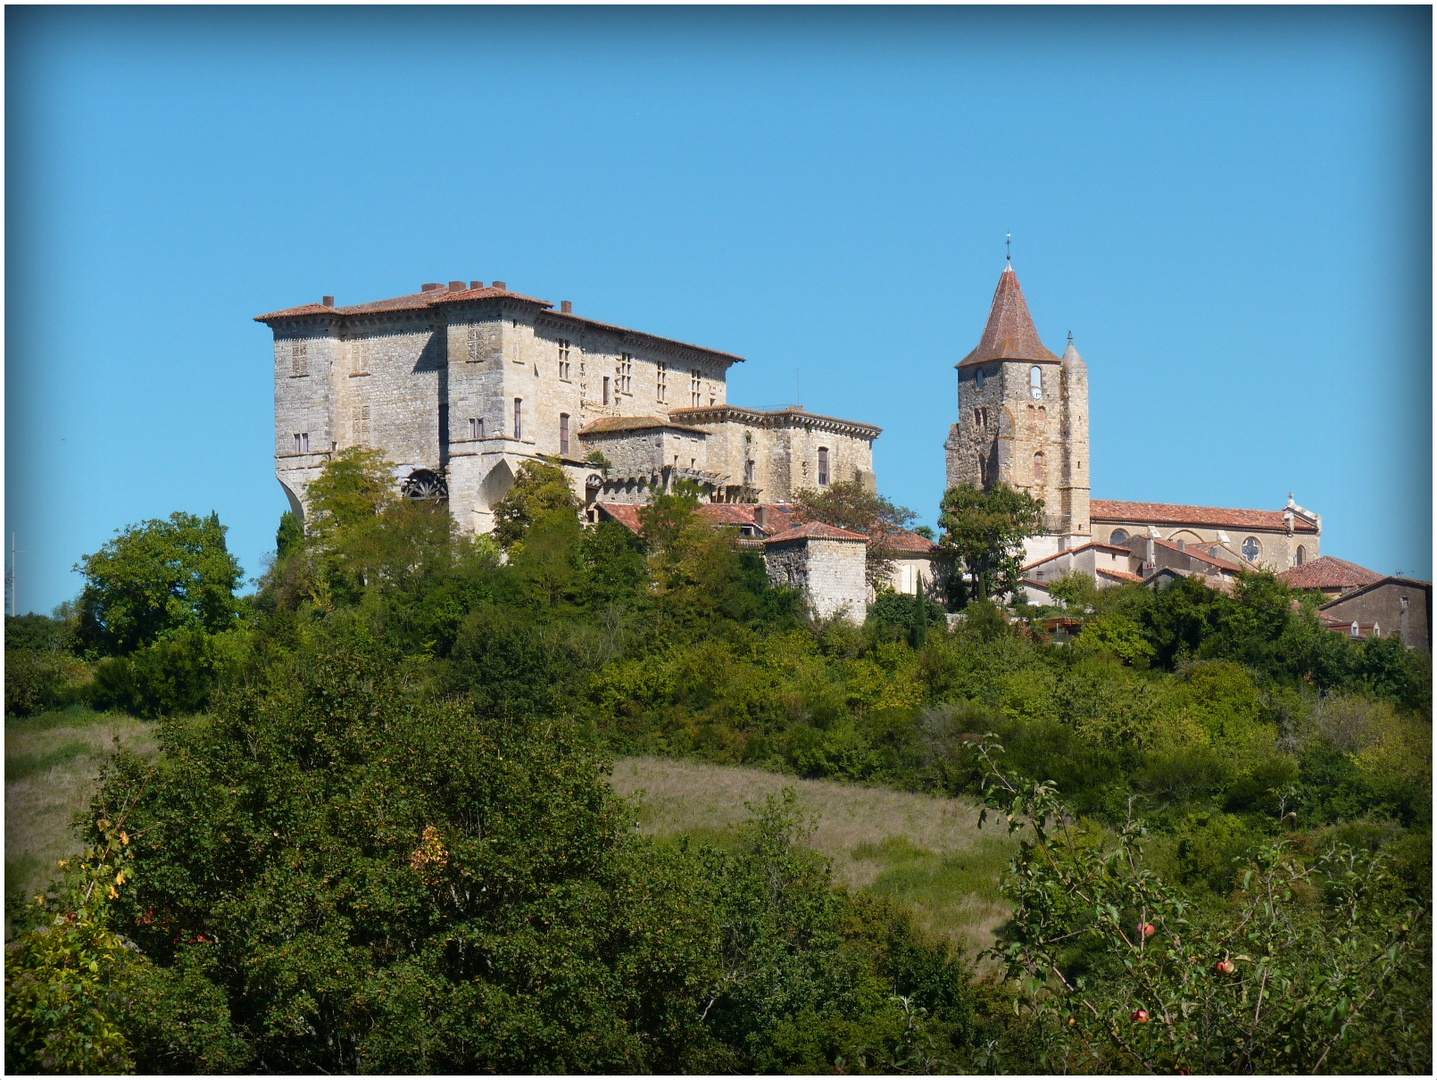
(1140, 1016)
(1147, 929)
(1226, 967)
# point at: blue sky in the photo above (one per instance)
(1229, 208)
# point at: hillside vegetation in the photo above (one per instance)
(925, 851)
(383, 831)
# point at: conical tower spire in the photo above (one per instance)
(1010, 333)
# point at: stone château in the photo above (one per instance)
(460, 384)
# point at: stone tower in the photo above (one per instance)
(1023, 418)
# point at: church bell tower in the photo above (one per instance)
(1023, 417)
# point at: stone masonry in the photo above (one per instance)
(459, 384)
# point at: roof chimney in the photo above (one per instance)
(476, 284)
(500, 285)
(566, 307)
(430, 286)
(456, 286)
(328, 301)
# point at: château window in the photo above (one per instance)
(1035, 380)
(564, 359)
(748, 473)
(518, 418)
(978, 378)
(473, 342)
(822, 466)
(1120, 536)
(606, 389)
(563, 433)
(301, 442)
(1251, 549)
(696, 387)
(476, 427)
(1301, 555)
(626, 374)
(298, 359)
(1040, 467)
(661, 381)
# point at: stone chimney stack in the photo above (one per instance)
(566, 307)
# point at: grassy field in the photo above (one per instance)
(924, 851)
(51, 765)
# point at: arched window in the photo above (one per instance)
(1120, 536)
(1301, 554)
(1040, 468)
(1035, 380)
(1251, 549)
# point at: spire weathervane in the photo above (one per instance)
(1008, 241)
(1070, 337)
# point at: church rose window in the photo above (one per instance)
(1251, 549)
(1119, 536)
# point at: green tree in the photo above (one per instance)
(289, 537)
(541, 487)
(1122, 973)
(984, 532)
(156, 578)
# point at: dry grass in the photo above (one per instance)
(920, 849)
(51, 766)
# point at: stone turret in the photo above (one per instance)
(1075, 491)
(1023, 416)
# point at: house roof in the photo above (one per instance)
(814, 530)
(1073, 551)
(608, 424)
(1215, 517)
(903, 542)
(787, 416)
(776, 516)
(456, 293)
(1329, 572)
(1201, 554)
(1119, 575)
(1372, 586)
(426, 298)
(1010, 333)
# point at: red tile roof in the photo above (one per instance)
(1213, 517)
(1010, 333)
(776, 516)
(606, 424)
(1329, 572)
(450, 295)
(1200, 553)
(1073, 551)
(903, 542)
(814, 530)
(626, 514)
(1120, 575)
(411, 302)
